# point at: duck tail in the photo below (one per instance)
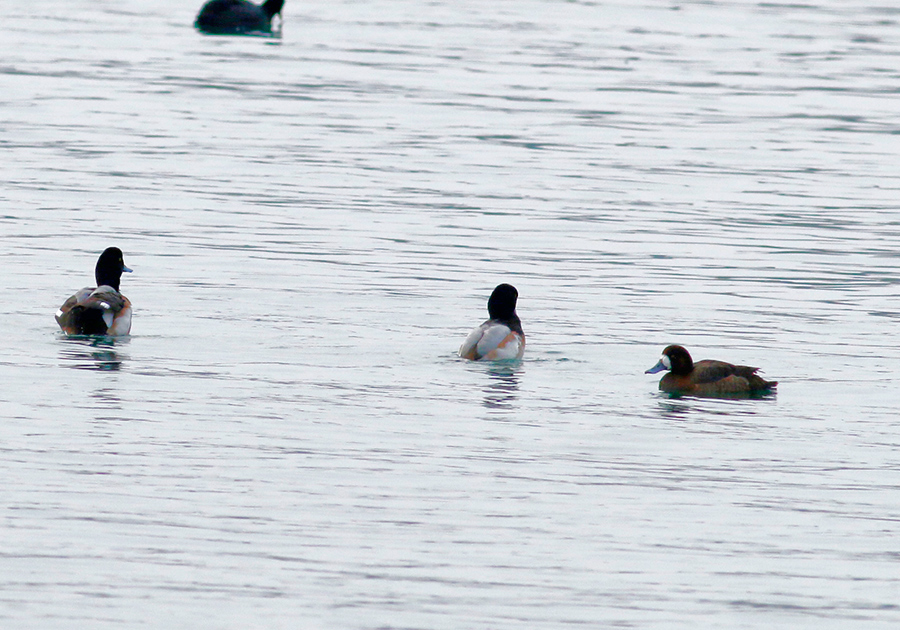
(87, 321)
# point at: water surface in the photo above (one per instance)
(315, 222)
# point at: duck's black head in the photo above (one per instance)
(675, 359)
(679, 360)
(502, 303)
(272, 7)
(110, 267)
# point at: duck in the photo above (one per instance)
(99, 310)
(708, 377)
(500, 337)
(237, 17)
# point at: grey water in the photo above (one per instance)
(315, 222)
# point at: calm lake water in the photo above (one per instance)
(315, 223)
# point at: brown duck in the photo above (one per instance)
(707, 377)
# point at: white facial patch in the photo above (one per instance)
(104, 305)
(665, 360)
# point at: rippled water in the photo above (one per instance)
(315, 222)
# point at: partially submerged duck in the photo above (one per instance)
(707, 377)
(500, 337)
(237, 17)
(99, 310)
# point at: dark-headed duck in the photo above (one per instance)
(237, 17)
(501, 336)
(707, 377)
(101, 310)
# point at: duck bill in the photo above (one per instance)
(659, 367)
(126, 269)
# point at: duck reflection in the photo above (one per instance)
(92, 353)
(503, 388)
(675, 409)
(713, 411)
(109, 400)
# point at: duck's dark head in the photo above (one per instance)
(502, 303)
(110, 267)
(272, 7)
(675, 359)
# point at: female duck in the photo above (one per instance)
(707, 377)
(500, 337)
(237, 17)
(101, 310)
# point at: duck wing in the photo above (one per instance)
(494, 341)
(710, 371)
(91, 311)
(81, 294)
(469, 347)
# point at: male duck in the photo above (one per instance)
(101, 310)
(237, 17)
(707, 377)
(500, 337)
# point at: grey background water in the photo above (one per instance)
(315, 222)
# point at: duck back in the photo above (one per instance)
(235, 17)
